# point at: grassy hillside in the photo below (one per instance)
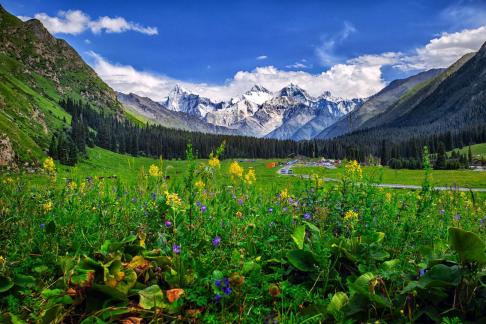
(478, 150)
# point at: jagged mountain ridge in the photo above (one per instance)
(261, 113)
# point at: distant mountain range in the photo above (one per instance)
(290, 113)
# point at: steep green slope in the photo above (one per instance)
(36, 70)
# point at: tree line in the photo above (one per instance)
(93, 126)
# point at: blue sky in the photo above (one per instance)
(207, 45)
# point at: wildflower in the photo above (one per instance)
(168, 224)
(240, 201)
(217, 298)
(285, 209)
(270, 210)
(154, 171)
(200, 185)
(72, 185)
(350, 215)
(172, 199)
(134, 200)
(274, 290)
(203, 209)
(218, 283)
(239, 214)
(250, 176)
(388, 197)
(214, 161)
(284, 194)
(307, 216)
(47, 207)
(352, 169)
(8, 180)
(216, 241)
(457, 217)
(49, 165)
(42, 225)
(442, 212)
(422, 272)
(2, 259)
(235, 170)
(227, 290)
(176, 249)
(198, 203)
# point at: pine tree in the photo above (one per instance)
(440, 163)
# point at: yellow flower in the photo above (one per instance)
(8, 180)
(47, 206)
(2, 259)
(239, 214)
(350, 215)
(214, 162)
(388, 197)
(154, 171)
(82, 187)
(250, 176)
(172, 199)
(236, 170)
(352, 169)
(49, 165)
(200, 185)
(72, 185)
(284, 194)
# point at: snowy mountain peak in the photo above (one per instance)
(295, 92)
(258, 88)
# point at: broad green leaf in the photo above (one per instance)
(5, 284)
(250, 266)
(468, 245)
(361, 286)
(151, 297)
(391, 264)
(24, 281)
(337, 303)
(302, 260)
(299, 236)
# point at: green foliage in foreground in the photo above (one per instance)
(212, 244)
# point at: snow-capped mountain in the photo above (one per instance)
(290, 113)
(180, 99)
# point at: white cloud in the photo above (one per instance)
(75, 22)
(346, 80)
(465, 15)
(261, 57)
(356, 77)
(297, 65)
(326, 51)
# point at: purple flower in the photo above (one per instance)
(134, 200)
(218, 283)
(422, 272)
(307, 216)
(216, 241)
(291, 200)
(457, 217)
(203, 209)
(442, 212)
(481, 221)
(168, 223)
(217, 298)
(240, 202)
(42, 225)
(227, 290)
(153, 196)
(226, 282)
(198, 203)
(270, 210)
(285, 209)
(176, 249)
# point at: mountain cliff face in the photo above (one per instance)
(376, 105)
(159, 114)
(290, 113)
(36, 70)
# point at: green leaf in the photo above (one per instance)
(299, 236)
(302, 260)
(5, 284)
(250, 266)
(468, 245)
(24, 281)
(361, 286)
(337, 303)
(390, 264)
(151, 297)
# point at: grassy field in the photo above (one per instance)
(461, 178)
(478, 150)
(224, 241)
